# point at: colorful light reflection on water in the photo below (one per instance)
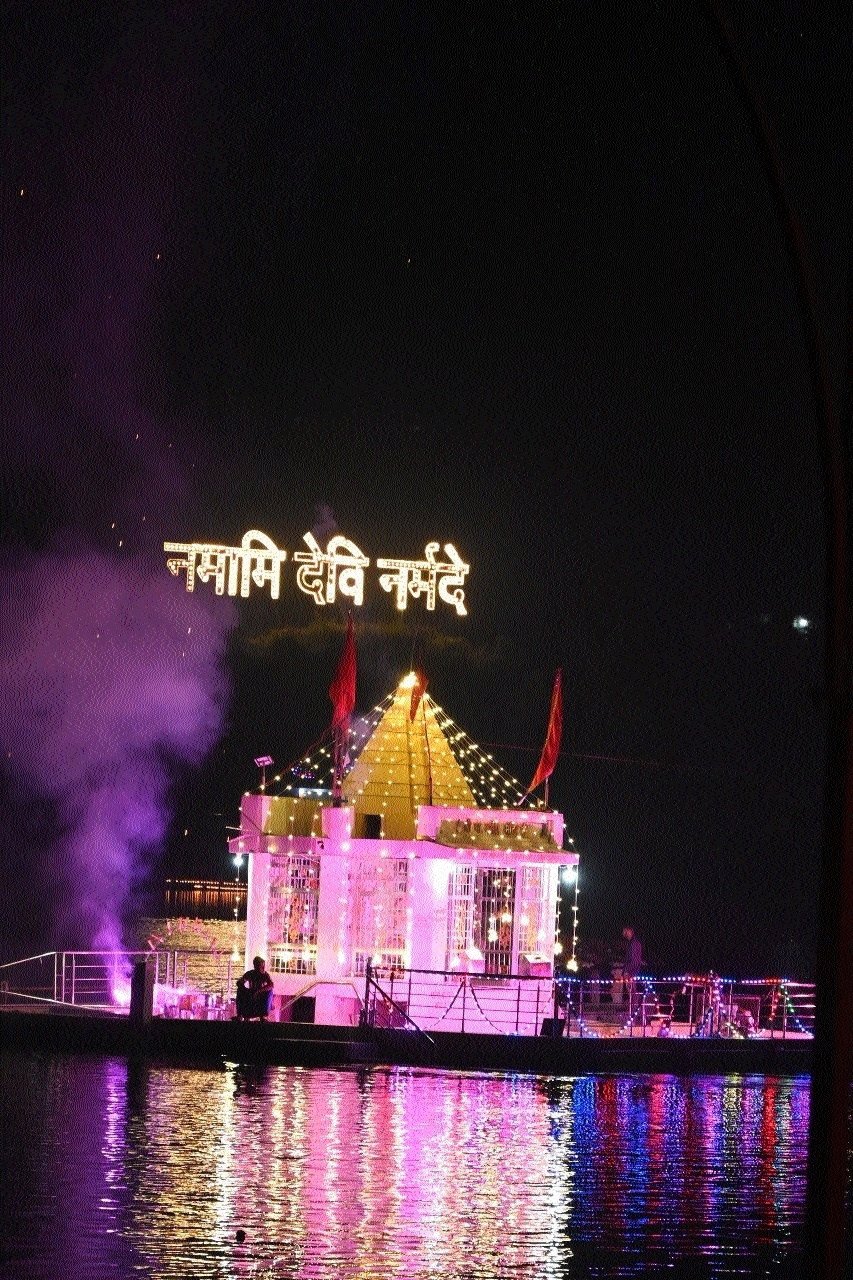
(117, 1169)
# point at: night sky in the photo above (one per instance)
(513, 283)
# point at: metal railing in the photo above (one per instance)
(429, 1000)
(187, 984)
(700, 1006)
(200, 984)
(100, 980)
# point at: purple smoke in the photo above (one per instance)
(111, 677)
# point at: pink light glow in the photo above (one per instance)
(121, 991)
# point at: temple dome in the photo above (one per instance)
(405, 763)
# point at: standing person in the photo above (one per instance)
(254, 991)
(631, 962)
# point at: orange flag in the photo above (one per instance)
(551, 750)
(419, 688)
(342, 688)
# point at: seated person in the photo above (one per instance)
(254, 991)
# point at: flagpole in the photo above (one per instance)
(429, 757)
(342, 694)
(338, 757)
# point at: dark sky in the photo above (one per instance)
(512, 282)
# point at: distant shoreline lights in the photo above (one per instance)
(323, 575)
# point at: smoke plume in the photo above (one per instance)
(111, 678)
(113, 681)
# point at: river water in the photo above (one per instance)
(117, 1169)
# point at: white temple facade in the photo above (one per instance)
(408, 872)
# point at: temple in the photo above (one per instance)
(426, 862)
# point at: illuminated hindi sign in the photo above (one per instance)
(324, 575)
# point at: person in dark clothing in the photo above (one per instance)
(254, 992)
(632, 960)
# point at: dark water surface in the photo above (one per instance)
(111, 1169)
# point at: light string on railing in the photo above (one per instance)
(790, 1010)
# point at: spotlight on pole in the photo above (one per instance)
(264, 763)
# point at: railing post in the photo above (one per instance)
(73, 976)
(55, 972)
(464, 992)
(409, 996)
(784, 1009)
(517, 1002)
(367, 980)
(62, 997)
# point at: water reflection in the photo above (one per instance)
(113, 1169)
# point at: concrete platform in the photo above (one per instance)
(196, 1042)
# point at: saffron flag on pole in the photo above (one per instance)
(342, 688)
(418, 690)
(551, 749)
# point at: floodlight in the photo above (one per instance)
(263, 763)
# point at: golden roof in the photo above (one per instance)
(405, 764)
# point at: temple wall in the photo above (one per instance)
(430, 888)
(257, 907)
(426, 902)
(331, 915)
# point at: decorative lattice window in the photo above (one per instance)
(292, 919)
(459, 908)
(378, 904)
(493, 917)
(535, 911)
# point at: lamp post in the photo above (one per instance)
(238, 862)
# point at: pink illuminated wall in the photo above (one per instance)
(351, 868)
